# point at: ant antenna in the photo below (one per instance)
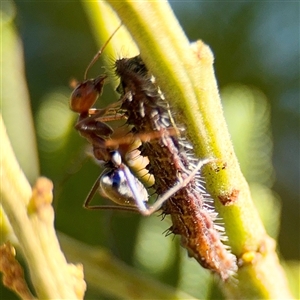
(98, 54)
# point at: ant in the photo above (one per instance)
(116, 182)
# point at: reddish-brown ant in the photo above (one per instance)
(114, 182)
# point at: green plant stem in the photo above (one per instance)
(186, 77)
(106, 274)
(34, 229)
(17, 113)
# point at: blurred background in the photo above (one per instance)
(256, 46)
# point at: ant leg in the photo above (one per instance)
(92, 193)
(143, 137)
(94, 122)
(178, 186)
(109, 113)
(116, 116)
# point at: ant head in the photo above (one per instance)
(86, 93)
